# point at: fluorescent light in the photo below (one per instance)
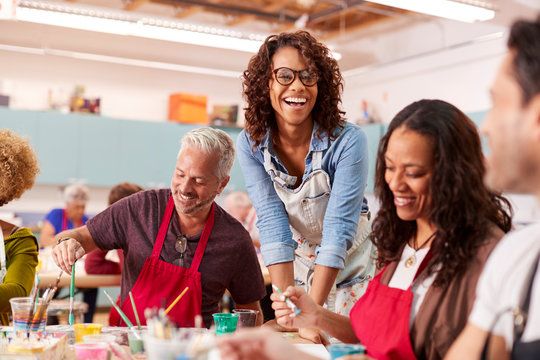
(443, 8)
(122, 61)
(143, 27)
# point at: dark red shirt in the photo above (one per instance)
(229, 261)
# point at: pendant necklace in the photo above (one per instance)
(411, 260)
(180, 245)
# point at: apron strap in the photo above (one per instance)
(274, 173)
(163, 227)
(423, 265)
(316, 160)
(207, 230)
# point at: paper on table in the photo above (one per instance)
(317, 350)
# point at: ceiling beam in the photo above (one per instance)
(186, 12)
(274, 6)
(231, 9)
(132, 5)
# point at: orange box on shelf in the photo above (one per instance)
(188, 108)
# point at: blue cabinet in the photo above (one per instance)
(102, 151)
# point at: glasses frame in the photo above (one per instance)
(296, 74)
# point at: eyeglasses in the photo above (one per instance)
(286, 76)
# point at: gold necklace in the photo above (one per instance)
(411, 260)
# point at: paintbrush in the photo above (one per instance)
(31, 314)
(71, 317)
(58, 279)
(176, 300)
(122, 315)
(135, 310)
(290, 304)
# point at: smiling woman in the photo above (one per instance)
(306, 170)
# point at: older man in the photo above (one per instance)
(177, 238)
(506, 314)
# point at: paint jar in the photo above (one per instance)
(87, 351)
(82, 330)
(164, 349)
(24, 307)
(246, 317)
(136, 344)
(105, 339)
(338, 350)
(225, 323)
(99, 338)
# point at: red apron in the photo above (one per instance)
(380, 319)
(160, 282)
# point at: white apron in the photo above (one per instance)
(306, 207)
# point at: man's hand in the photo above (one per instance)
(66, 253)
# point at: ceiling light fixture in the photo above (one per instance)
(94, 19)
(129, 24)
(462, 11)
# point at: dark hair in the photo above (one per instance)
(524, 40)
(122, 190)
(259, 112)
(462, 208)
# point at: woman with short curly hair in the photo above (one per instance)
(19, 168)
(306, 171)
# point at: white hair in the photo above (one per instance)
(76, 192)
(212, 141)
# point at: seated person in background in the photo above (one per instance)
(506, 314)
(177, 238)
(238, 205)
(95, 262)
(72, 216)
(436, 226)
(19, 248)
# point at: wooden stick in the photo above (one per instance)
(135, 310)
(176, 300)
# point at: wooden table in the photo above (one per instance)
(81, 280)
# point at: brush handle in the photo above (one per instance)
(71, 318)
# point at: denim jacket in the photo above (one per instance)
(345, 160)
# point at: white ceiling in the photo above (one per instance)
(401, 37)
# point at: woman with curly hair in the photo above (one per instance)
(19, 250)
(305, 169)
(435, 229)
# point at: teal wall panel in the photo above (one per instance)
(57, 147)
(373, 133)
(99, 160)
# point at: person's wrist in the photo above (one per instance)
(62, 239)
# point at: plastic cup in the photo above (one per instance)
(225, 323)
(82, 330)
(99, 338)
(136, 345)
(338, 350)
(246, 317)
(21, 308)
(86, 351)
(164, 349)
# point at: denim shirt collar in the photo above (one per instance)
(317, 144)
